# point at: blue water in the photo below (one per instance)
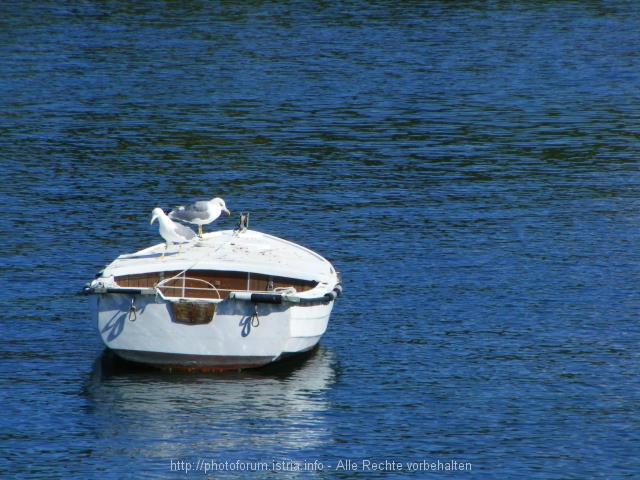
(472, 169)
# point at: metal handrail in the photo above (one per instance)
(183, 288)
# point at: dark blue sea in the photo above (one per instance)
(471, 168)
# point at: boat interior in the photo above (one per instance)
(192, 293)
(210, 284)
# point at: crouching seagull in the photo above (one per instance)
(172, 232)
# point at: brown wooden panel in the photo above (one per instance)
(193, 313)
(224, 281)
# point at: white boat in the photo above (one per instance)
(234, 299)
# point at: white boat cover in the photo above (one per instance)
(229, 250)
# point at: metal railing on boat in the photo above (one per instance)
(186, 291)
(276, 296)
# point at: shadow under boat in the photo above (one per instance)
(109, 364)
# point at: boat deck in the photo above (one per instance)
(250, 259)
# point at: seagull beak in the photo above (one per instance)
(228, 212)
(153, 219)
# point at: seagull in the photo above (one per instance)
(171, 232)
(200, 212)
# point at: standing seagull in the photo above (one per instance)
(171, 232)
(200, 212)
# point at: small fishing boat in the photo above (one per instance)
(232, 299)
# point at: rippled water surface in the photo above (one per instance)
(472, 169)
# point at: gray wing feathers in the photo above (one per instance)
(185, 231)
(197, 210)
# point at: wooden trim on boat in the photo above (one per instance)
(223, 281)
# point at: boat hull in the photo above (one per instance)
(239, 334)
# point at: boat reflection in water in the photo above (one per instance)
(256, 415)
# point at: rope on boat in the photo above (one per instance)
(249, 322)
(240, 228)
(255, 319)
(132, 316)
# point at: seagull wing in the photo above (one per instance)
(193, 211)
(184, 231)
